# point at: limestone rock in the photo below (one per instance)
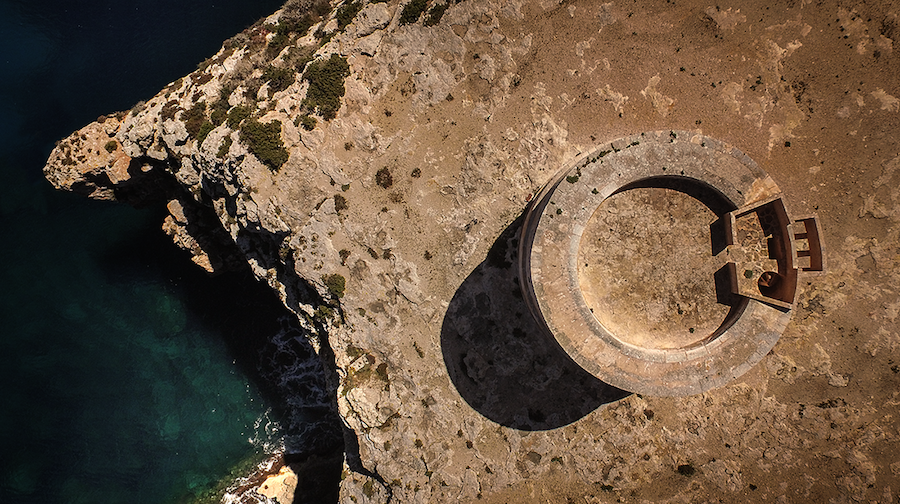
(280, 487)
(378, 189)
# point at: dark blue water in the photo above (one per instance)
(126, 375)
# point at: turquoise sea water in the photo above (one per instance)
(126, 374)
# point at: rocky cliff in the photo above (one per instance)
(370, 163)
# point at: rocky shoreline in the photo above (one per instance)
(370, 162)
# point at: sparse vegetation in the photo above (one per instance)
(169, 110)
(365, 373)
(326, 85)
(264, 142)
(412, 11)
(203, 78)
(291, 22)
(323, 36)
(298, 57)
(284, 252)
(135, 110)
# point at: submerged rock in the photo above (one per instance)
(373, 174)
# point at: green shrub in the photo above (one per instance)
(354, 352)
(264, 142)
(218, 116)
(111, 146)
(326, 85)
(435, 14)
(335, 284)
(228, 87)
(251, 90)
(308, 122)
(323, 314)
(347, 12)
(278, 42)
(340, 203)
(369, 488)
(219, 112)
(236, 115)
(205, 129)
(279, 79)
(225, 147)
(193, 118)
(412, 11)
(383, 177)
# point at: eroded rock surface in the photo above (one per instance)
(383, 210)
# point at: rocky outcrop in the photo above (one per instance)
(370, 163)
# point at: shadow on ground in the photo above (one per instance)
(502, 362)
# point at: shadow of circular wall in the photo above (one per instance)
(506, 366)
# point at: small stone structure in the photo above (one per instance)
(665, 263)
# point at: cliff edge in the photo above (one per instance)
(371, 161)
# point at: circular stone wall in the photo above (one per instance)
(623, 261)
(644, 268)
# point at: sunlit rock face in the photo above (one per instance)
(371, 163)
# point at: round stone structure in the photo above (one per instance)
(664, 263)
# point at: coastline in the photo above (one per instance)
(371, 171)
